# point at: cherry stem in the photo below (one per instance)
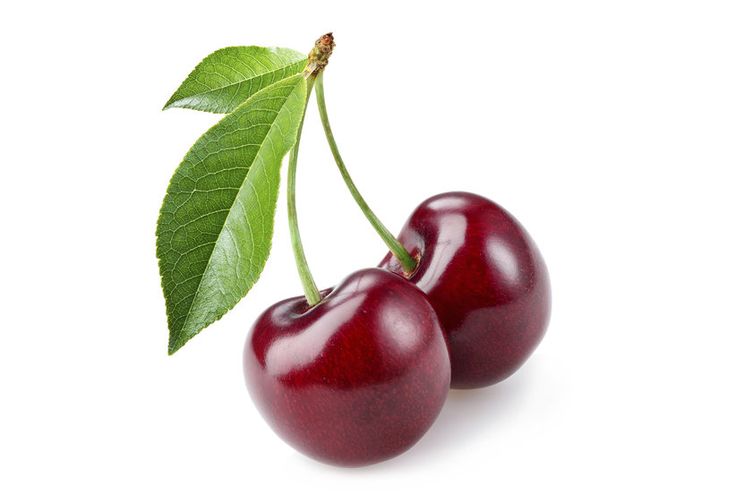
(310, 288)
(408, 263)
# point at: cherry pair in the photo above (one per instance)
(358, 373)
(360, 376)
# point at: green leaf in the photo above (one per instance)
(216, 222)
(229, 76)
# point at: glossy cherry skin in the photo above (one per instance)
(486, 280)
(357, 378)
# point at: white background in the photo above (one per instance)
(607, 128)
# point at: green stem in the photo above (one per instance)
(408, 263)
(310, 288)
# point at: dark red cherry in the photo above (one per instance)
(486, 280)
(357, 378)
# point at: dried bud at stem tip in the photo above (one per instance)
(320, 54)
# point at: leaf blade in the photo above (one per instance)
(216, 222)
(227, 77)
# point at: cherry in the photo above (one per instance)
(355, 379)
(485, 279)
